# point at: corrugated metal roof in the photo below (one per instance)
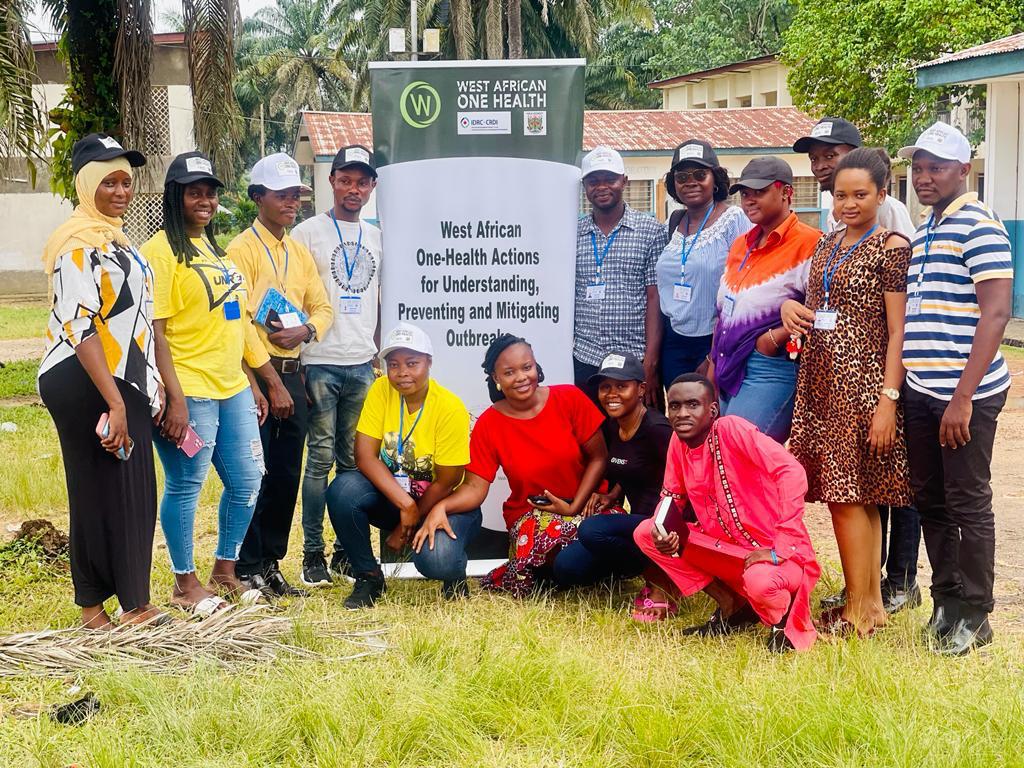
(1003, 45)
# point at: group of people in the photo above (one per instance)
(699, 350)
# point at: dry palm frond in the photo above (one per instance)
(493, 29)
(234, 639)
(21, 121)
(461, 26)
(132, 54)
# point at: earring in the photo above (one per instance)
(498, 386)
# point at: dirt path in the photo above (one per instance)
(12, 350)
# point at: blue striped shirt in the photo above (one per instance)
(969, 245)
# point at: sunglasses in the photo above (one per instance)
(697, 174)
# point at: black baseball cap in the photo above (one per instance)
(354, 155)
(762, 171)
(830, 130)
(621, 366)
(695, 151)
(189, 167)
(100, 146)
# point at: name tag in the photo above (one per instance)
(595, 292)
(728, 306)
(404, 481)
(913, 305)
(350, 305)
(290, 320)
(682, 292)
(232, 311)
(825, 319)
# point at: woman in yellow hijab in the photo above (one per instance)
(99, 381)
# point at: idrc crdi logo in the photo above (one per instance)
(420, 104)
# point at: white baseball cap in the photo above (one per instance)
(277, 171)
(603, 159)
(406, 336)
(943, 141)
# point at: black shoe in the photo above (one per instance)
(257, 582)
(838, 600)
(970, 632)
(341, 567)
(367, 591)
(777, 640)
(454, 590)
(277, 582)
(945, 615)
(719, 625)
(314, 570)
(895, 599)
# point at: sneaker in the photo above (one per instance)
(895, 599)
(341, 567)
(454, 590)
(277, 582)
(314, 570)
(367, 591)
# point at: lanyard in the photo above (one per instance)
(146, 271)
(359, 244)
(401, 423)
(746, 256)
(223, 267)
(272, 262)
(832, 264)
(599, 260)
(684, 252)
(929, 235)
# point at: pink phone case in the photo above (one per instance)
(192, 444)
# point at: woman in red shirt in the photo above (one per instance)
(549, 443)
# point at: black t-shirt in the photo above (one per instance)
(638, 465)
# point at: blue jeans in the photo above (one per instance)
(904, 541)
(604, 547)
(766, 395)
(230, 429)
(336, 394)
(681, 354)
(354, 504)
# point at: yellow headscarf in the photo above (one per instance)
(87, 227)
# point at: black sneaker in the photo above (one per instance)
(314, 570)
(367, 591)
(895, 599)
(837, 600)
(341, 567)
(277, 582)
(257, 582)
(455, 590)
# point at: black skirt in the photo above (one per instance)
(112, 503)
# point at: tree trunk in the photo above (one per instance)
(514, 17)
(493, 29)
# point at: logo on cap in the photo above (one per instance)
(934, 135)
(357, 155)
(822, 129)
(690, 150)
(400, 334)
(285, 167)
(110, 143)
(419, 104)
(198, 165)
(614, 361)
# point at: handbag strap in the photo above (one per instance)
(716, 448)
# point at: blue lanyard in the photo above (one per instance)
(146, 271)
(274, 263)
(599, 260)
(223, 267)
(746, 256)
(401, 423)
(359, 244)
(832, 264)
(684, 252)
(929, 235)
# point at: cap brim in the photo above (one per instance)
(191, 178)
(388, 350)
(693, 161)
(907, 153)
(618, 375)
(300, 185)
(135, 158)
(803, 144)
(356, 164)
(605, 170)
(752, 184)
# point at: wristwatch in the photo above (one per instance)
(891, 393)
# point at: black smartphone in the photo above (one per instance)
(539, 501)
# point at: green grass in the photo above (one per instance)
(18, 379)
(23, 320)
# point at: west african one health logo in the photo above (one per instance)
(464, 122)
(420, 104)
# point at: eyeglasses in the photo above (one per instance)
(697, 174)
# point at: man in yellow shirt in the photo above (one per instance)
(290, 307)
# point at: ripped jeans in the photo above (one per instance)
(230, 429)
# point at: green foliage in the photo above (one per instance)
(20, 117)
(18, 379)
(858, 60)
(25, 320)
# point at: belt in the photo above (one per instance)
(285, 364)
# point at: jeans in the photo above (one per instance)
(953, 490)
(681, 354)
(766, 395)
(230, 428)
(354, 504)
(266, 541)
(604, 547)
(336, 394)
(899, 558)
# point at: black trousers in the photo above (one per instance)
(954, 497)
(581, 372)
(112, 503)
(266, 541)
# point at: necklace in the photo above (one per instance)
(636, 424)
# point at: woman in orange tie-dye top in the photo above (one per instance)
(755, 377)
(99, 382)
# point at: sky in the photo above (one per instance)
(43, 30)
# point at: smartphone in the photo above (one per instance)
(539, 501)
(192, 443)
(103, 430)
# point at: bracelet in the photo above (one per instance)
(310, 332)
(775, 557)
(771, 335)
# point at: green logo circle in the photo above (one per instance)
(420, 104)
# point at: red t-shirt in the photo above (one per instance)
(544, 453)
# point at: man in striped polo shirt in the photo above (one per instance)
(958, 302)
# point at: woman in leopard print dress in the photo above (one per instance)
(848, 423)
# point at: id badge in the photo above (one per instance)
(913, 305)
(595, 292)
(290, 320)
(825, 319)
(232, 311)
(404, 481)
(682, 292)
(350, 305)
(728, 306)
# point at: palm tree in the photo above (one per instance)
(21, 132)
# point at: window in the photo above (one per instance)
(744, 101)
(158, 124)
(721, 104)
(639, 194)
(981, 186)
(771, 98)
(805, 192)
(902, 189)
(702, 105)
(144, 216)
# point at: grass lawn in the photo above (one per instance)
(18, 379)
(565, 680)
(23, 320)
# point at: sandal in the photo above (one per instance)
(158, 619)
(641, 598)
(668, 609)
(208, 606)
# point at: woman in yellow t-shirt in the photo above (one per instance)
(412, 446)
(214, 408)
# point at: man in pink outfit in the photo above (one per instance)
(748, 547)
